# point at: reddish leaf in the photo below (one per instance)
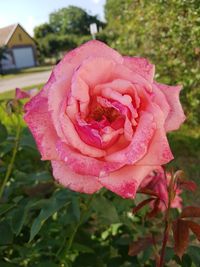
(188, 185)
(140, 245)
(190, 212)
(142, 204)
(147, 191)
(155, 209)
(41, 189)
(195, 228)
(181, 237)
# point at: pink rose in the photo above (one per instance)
(20, 94)
(157, 183)
(102, 120)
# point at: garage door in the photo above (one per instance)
(24, 57)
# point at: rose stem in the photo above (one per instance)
(165, 239)
(10, 166)
(167, 222)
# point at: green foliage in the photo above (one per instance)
(42, 30)
(51, 206)
(67, 28)
(71, 20)
(3, 133)
(52, 44)
(166, 32)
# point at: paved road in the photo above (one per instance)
(23, 81)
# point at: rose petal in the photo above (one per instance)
(86, 77)
(139, 144)
(41, 126)
(75, 57)
(72, 137)
(159, 98)
(120, 86)
(176, 115)
(85, 165)
(125, 100)
(124, 73)
(125, 182)
(123, 111)
(87, 134)
(159, 151)
(141, 66)
(56, 94)
(81, 183)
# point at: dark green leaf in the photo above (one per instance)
(28, 141)
(5, 207)
(169, 254)
(18, 219)
(53, 205)
(194, 253)
(76, 207)
(82, 248)
(6, 235)
(186, 261)
(105, 210)
(3, 133)
(45, 264)
(6, 264)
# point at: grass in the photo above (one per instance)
(21, 72)
(185, 145)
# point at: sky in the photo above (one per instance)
(30, 13)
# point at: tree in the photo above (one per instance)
(66, 29)
(72, 20)
(42, 30)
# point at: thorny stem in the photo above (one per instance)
(164, 244)
(167, 223)
(10, 166)
(69, 242)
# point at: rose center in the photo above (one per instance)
(99, 113)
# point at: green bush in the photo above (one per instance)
(166, 32)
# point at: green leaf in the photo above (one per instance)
(27, 140)
(194, 253)
(82, 248)
(169, 254)
(53, 205)
(76, 207)
(186, 261)
(45, 264)
(3, 133)
(106, 210)
(5, 207)
(6, 235)
(6, 264)
(18, 219)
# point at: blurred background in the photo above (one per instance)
(34, 36)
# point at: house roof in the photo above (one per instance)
(6, 33)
